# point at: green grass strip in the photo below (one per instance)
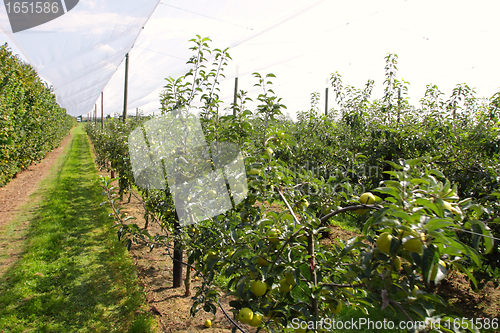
(73, 275)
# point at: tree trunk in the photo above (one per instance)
(314, 278)
(177, 268)
(187, 282)
(146, 213)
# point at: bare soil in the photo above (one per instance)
(465, 302)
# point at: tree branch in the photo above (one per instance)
(346, 209)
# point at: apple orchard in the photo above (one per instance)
(430, 209)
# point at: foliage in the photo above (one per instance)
(31, 122)
(315, 169)
(111, 149)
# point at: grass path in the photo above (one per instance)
(73, 275)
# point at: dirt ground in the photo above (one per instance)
(465, 302)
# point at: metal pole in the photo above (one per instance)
(137, 112)
(126, 89)
(102, 111)
(95, 113)
(326, 101)
(235, 99)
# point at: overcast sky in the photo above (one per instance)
(440, 42)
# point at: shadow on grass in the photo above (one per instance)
(73, 276)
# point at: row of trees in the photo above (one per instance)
(31, 121)
(432, 170)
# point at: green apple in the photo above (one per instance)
(284, 286)
(238, 187)
(259, 288)
(367, 198)
(256, 320)
(273, 235)
(349, 292)
(254, 172)
(302, 204)
(245, 315)
(384, 242)
(335, 308)
(414, 291)
(289, 278)
(397, 263)
(413, 245)
(360, 211)
(211, 255)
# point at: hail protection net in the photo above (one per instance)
(75, 45)
(80, 49)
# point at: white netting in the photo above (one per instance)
(302, 42)
(79, 51)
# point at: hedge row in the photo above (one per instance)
(31, 122)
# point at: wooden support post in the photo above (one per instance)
(125, 93)
(177, 260)
(326, 101)
(399, 103)
(177, 264)
(314, 277)
(102, 111)
(235, 99)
